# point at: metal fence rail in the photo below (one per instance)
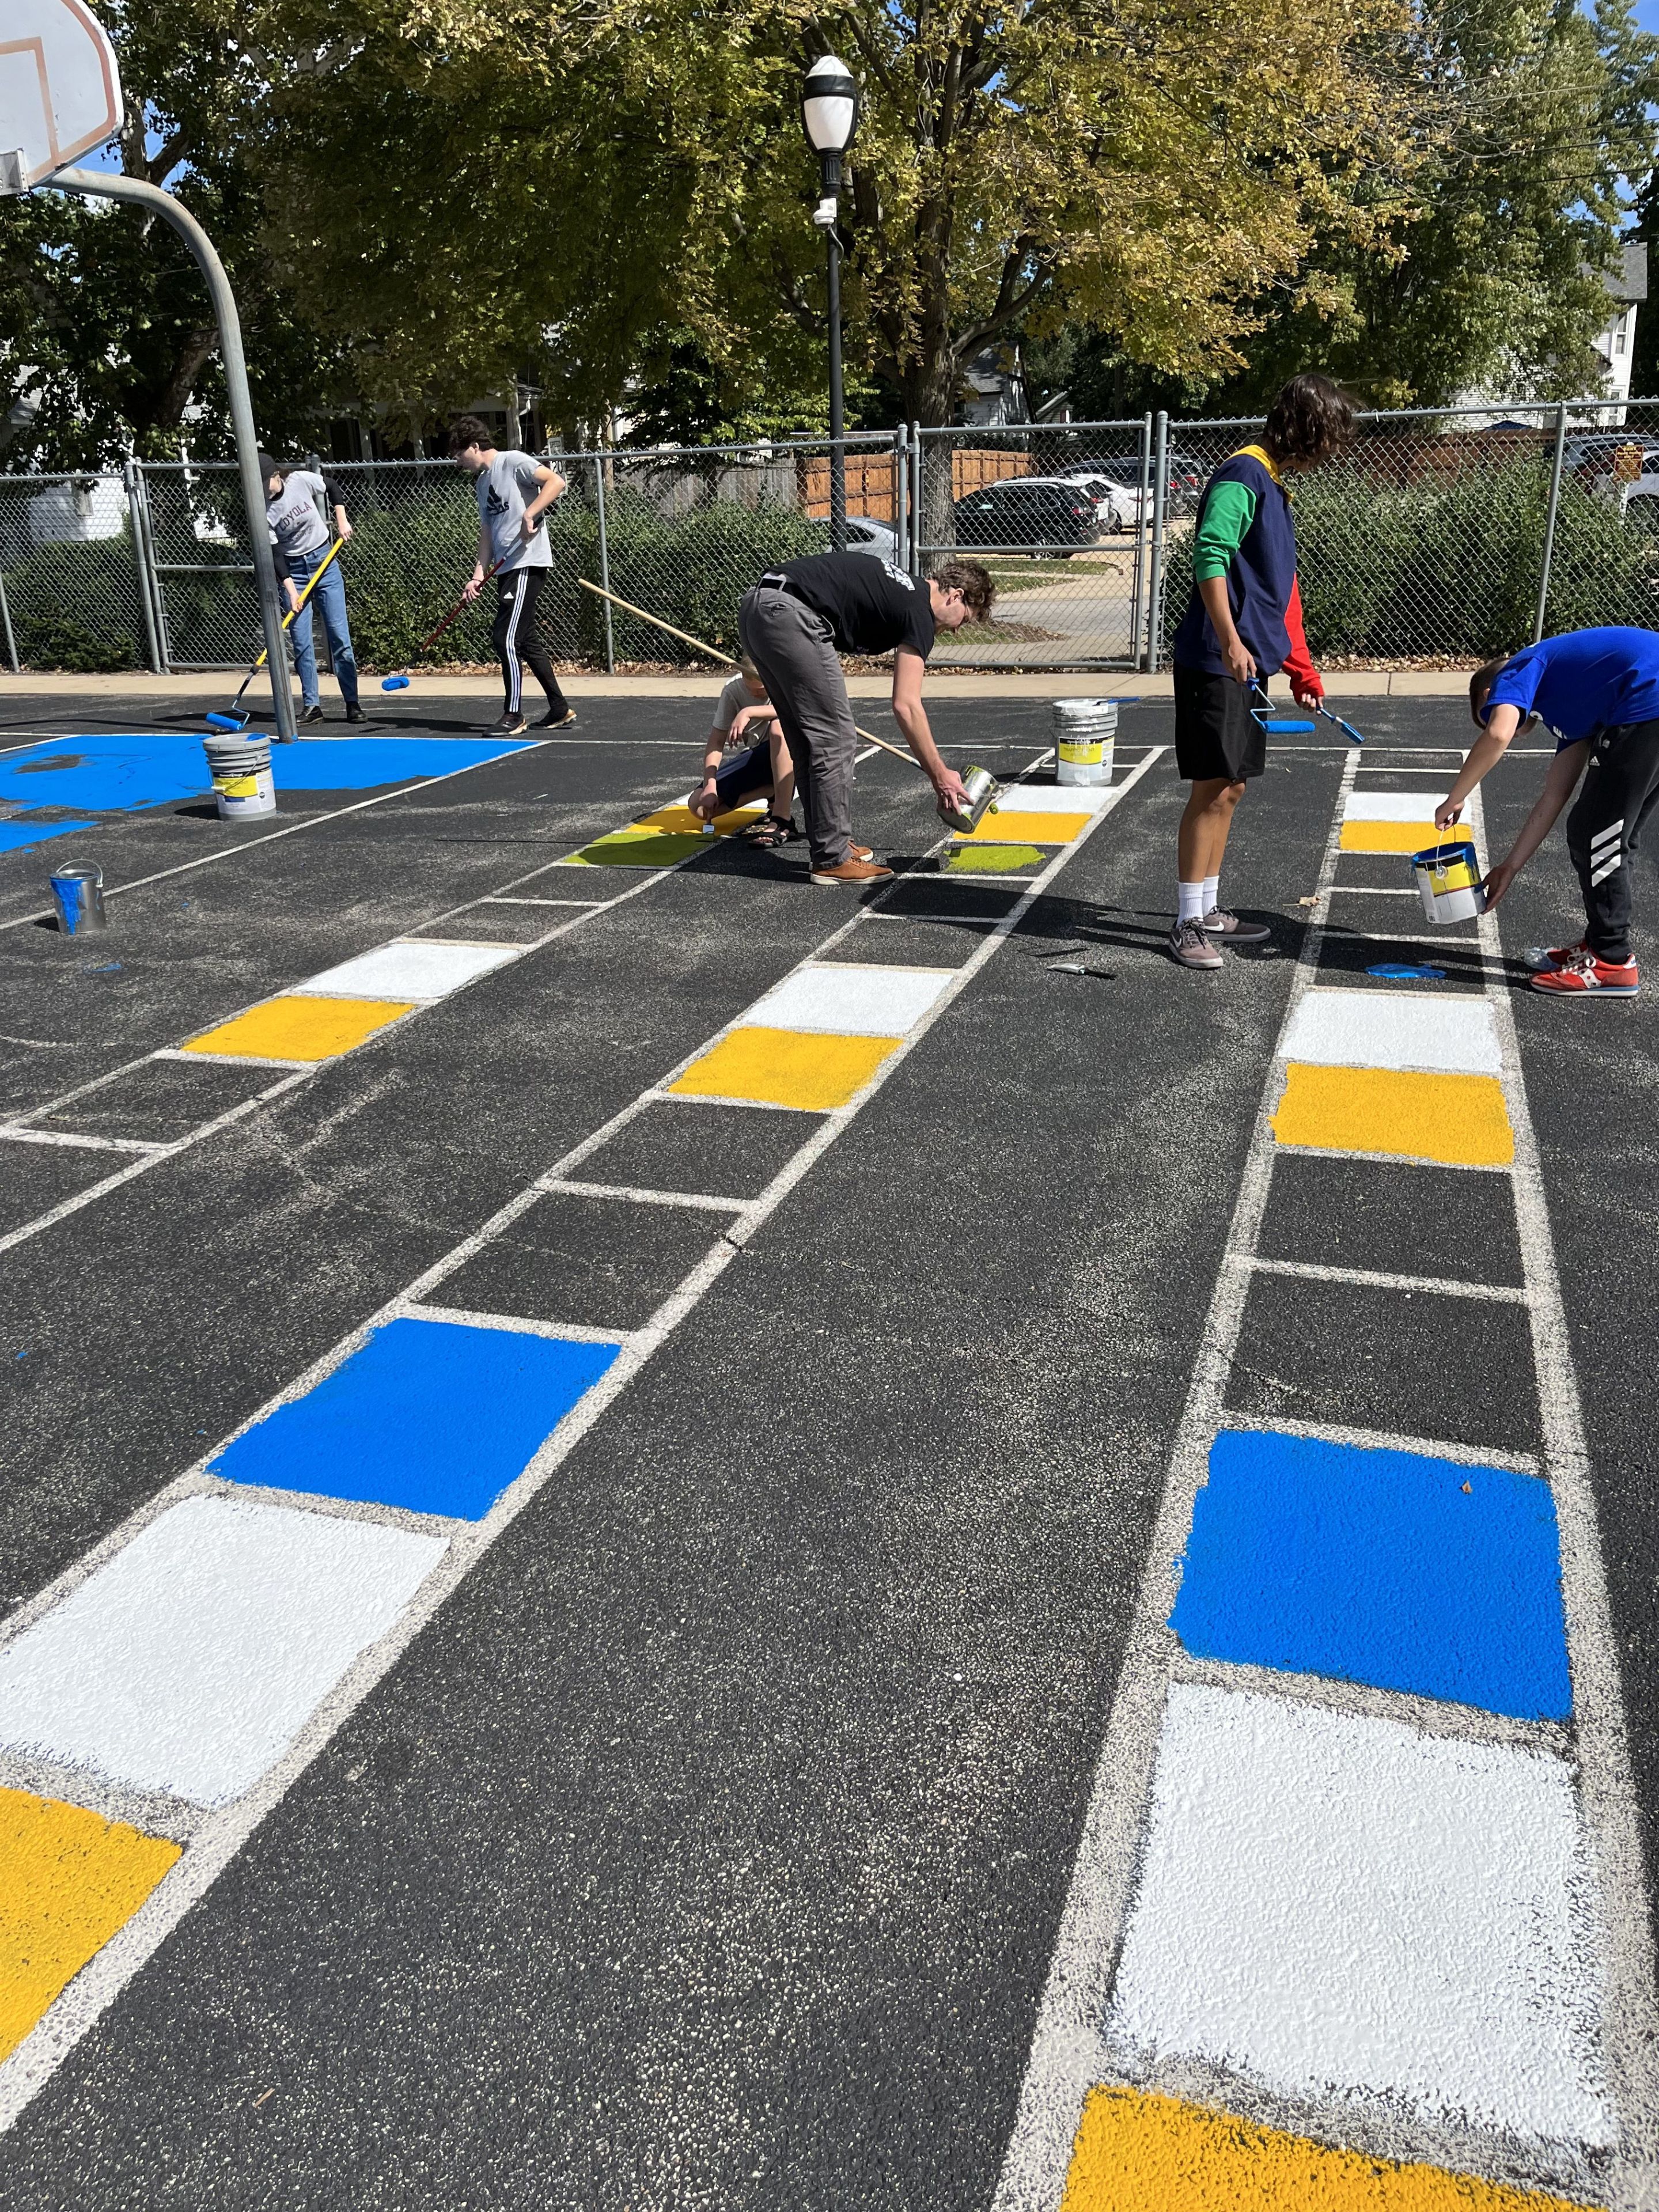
(1443, 536)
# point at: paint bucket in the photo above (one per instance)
(981, 794)
(242, 784)
(1449, 881)
(1085, 732)
(78, 895)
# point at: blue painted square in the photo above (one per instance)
(1385, 1567)
(428, 1415)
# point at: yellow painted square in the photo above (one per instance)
(787, 1067)
(681, 818)
(302, 1028)
(1139, 2153)
(68, 1880)
(1460, 1120)
(1011, 827)
(1388, 836)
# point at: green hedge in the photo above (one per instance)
(1415, 571)
(76, 606)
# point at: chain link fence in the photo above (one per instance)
(1440, 537)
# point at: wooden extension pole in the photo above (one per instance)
(715, 653)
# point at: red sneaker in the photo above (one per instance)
(1542, 958)
(1581, 974)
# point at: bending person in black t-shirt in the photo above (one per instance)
(796, 623)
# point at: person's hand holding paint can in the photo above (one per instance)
(950, 787)
(705, 800)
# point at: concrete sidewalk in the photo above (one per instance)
(1122, 683)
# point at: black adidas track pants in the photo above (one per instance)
(1620, 785)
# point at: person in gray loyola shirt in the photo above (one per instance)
(515, 491)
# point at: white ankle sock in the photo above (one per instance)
(1192, 908)
(1212, 894)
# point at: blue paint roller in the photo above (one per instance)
(401, 682)
(233, 719)
(1276, 725)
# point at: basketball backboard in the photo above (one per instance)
(60, 92)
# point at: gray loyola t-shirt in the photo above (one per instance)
(504, 488)
(296, 527)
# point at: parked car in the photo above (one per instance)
(863, 536)
(1029, 515)
(1117, 505)
(1609, 457)
(1186, 476)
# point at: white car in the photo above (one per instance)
(1117, 505)
(863, 536)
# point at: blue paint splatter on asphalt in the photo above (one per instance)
(1387, 1567)
(435, 1417)
(1398, 972)
(14, 836)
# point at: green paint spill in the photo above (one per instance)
(992, 859)
(625, 848)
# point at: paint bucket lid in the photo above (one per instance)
(1089, 714)
(244, 753)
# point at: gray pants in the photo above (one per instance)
(795, 653)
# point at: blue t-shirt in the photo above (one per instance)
(1584, 681)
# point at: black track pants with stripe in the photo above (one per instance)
(514, 635)
(1620, 785)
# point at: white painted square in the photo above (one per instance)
(1393, 805)
(1056, 798)
(408, 971)
(189, 1661)
(1336, 1904)
(851, 1001)
(1394, 1029)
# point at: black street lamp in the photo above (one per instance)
(830, 115)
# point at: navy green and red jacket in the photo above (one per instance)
(1244, 532)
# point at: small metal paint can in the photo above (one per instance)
(981, 792)
(1448, 878)
(78, 895)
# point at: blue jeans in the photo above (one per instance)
(330, 596)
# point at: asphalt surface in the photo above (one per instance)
(707, 1848)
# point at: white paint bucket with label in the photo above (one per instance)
(1449, 881)
(1085, 732)
(242, 785)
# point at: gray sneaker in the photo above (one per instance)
(1219, 923)
(1190, 947)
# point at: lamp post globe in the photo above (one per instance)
(829, 116)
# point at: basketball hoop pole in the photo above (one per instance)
(97, 183)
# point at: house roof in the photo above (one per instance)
(1629, 281)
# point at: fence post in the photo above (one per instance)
(1155, 581)
(5, 621)
(1549, 519)
(902, 494)
(605, 561)
(915, 499)
(130, 476)
(149, 575)
(1138, 574)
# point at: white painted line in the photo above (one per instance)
(19, 1135)
(500, 898)
(231, 1059)
(1438, 1286)
(1393, 1029)
(1056, 798)
(1332, 1433)
(659, 1096)
(189, 1661)
(1374, 891)
(1334, 1904)
(635, 1195)
(849, 1002)
(1393, 1159)
(1392, 805)
(31, 2066)
(406, 969)
(562, 1332)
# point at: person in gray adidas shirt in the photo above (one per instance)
(296, 502)
(515, 492)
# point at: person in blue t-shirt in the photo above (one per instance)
(1598, 691)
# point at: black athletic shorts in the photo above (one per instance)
(746, 774)
(1216, 733)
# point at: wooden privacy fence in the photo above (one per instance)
(872, 480)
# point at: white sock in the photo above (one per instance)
(1193, 908)
(1212, 894)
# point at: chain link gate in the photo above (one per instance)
(1441, 537)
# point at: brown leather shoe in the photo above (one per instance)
(856, 873)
